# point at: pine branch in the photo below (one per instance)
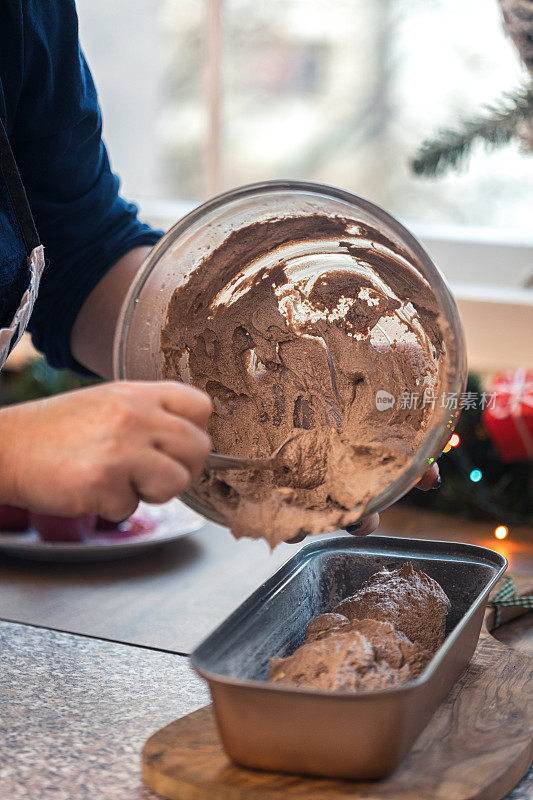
(497, 125)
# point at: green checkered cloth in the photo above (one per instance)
(506, 596)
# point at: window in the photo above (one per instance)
(337, 92)
(202, 95)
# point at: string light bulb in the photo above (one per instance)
(476, 475)
(501, 532)
(453, 441)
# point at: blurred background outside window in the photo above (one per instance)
(199, 96)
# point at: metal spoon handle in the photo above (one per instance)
(222, 462)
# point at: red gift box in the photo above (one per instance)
(509, 416)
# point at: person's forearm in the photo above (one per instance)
(91, 340)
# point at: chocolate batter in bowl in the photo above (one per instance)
(321, 330)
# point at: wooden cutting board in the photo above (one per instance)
(477, 746)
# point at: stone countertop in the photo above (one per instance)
(76, 711)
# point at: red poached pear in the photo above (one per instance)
(63, 529)
(13, 519)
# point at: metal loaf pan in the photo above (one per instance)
(359, 736)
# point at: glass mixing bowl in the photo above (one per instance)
(137, 349)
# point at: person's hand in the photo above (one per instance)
(101, 450)
(429, 480)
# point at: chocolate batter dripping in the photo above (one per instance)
(291, 365)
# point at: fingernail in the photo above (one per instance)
(437, 482)
(354, 527)
(296, 539)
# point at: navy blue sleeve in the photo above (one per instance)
(84, 224)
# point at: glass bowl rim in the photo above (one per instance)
(437, 436)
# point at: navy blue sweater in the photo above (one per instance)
(50, 110)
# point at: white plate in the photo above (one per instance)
(172, 521)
